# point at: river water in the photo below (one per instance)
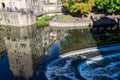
(101, 68)
(16, 66)
(77, 67)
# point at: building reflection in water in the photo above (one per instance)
(27, 45)
(25, 49)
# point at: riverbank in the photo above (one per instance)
(65, 21)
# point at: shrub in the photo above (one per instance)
(44, 21)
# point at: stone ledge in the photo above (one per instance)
(82, 25)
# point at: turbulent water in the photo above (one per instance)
(65, 72)
(101, 68)
(97, 68)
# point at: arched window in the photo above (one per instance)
(3, 5)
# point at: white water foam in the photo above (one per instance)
(88, 70)
(66, 71)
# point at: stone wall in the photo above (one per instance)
(17, 19)
(51, 9)
(81, 25)
(51, 6)
(75, 23)
(20, 5)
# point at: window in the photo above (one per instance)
(3, 5)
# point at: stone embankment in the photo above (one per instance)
(16, 19)
(83, 23)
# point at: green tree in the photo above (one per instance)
(83, 6)
(109, 6)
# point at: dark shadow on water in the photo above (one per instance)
(104, 24)
(5, 73)
(105, 31)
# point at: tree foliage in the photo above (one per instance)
(83, 6)
(109, 6)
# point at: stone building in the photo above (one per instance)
(24, 12)
(19, 12)
(25, 6)
(30, 6)
(50, 6)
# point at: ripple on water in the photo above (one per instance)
(65, 72)
(97, 68)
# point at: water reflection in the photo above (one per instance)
(5, 73)
(24, 48)
(27, 46)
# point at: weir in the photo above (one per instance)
(98, 68)
(82, 62)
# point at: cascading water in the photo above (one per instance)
(88, 64)
(66, 72)
(101, 68)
